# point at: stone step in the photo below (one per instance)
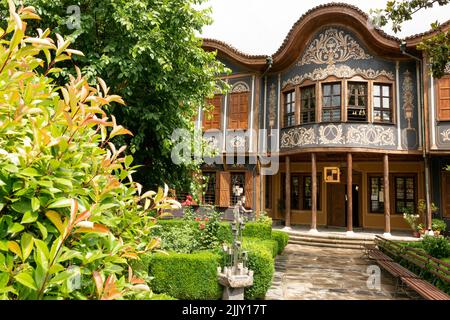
(325, 244)
(330, 240)
(331, 236)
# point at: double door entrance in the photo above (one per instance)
(337, 201)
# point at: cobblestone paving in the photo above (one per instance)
(313, 273)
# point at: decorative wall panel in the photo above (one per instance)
(333, 46)
(339, 135)
(339, 71)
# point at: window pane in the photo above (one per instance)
(387, 116)
(337, 89)
(377, 102)
(377, 115)
(326, 101)
(336, 101)
(376, 90)
(326, 90)
(351, 101)
(362, 101)
(386, 91)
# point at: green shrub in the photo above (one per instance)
(185, 276)
(224, 233)
(282, 238)
(181, 239)
(438, 225)
(260, 260)
(258, 230)
(66, 194)
(437, 247)
(270, 245)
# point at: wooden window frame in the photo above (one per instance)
(381, 109)
(232, 196)
(301, 192)
(319, 191)
(438, 98)
(356, 107)
(369, 193)
(332, 82)
(215, 187)
(206, 124)
(308, 110)
(394, 194)
(229, 109)
(287, 91)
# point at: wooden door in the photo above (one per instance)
(336, 204)
(238, 113)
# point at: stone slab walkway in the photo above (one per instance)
(313, 273)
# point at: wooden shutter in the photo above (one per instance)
(214, 121)
(217, 190)
(248, 189)
(444, 98)
(446, 194)
(224, 190)
(238, 117)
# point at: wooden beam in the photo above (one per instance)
(387, 199)
(314, 192)
(288, 193)
(349, 192)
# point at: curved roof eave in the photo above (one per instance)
(298, 37)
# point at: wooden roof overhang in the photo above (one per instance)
(336, 14)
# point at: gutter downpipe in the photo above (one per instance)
(269, 61)
(424, 141)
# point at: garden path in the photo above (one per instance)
(314, 273)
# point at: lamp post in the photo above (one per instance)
(235, 276)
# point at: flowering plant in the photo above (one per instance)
(188, 201)
(410, 218)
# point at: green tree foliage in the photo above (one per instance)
(436, 47)
(66, 195)
(149, 52)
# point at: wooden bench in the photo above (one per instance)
(419, 259)
(425, 289)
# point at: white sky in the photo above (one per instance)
(260, 26)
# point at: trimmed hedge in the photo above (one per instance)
(270, 245)
(258, 230)
(282, 238)
(260, 260)
(185, 276)
(224, 233)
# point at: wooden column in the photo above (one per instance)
(349, 192)
(314, 192)
(387, 200)
(288, 193)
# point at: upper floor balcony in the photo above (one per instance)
(349, 112)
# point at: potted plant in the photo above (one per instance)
(421, 229)
(412, 220)
(438, 225)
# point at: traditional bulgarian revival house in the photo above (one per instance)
(359, 128)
